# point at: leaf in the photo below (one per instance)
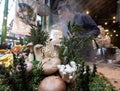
(37, 35)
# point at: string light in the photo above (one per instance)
(114, 31)
(117, 35)
(106, 30)
(106, 23)
(107, 33)
(113, 21)
(114, 17)
(87, 12)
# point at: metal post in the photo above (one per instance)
(4, 25)
(43, 19)
(43, 22)
(48, 26)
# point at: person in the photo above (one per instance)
(89, 27)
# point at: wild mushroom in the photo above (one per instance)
(50, 65)
(30, 55)
(52, 83)
(68, 71)
(38, 50)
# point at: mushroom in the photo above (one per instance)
(50, 65)
(38, 52)
(68, 71)
(52, 83)
(30, 55)
(51, 50)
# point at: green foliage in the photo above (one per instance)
(36, 76)
(94, 70)
(71, 46)
(84, 77)
(4, 75)
(2, 87)
(18, 79)
(89, 80)
(21, 41)
(22, 80)
(100, 83)
(37, 36)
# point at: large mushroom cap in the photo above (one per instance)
(50, 65)
(29, 44)
(38, 46)
(52, 83)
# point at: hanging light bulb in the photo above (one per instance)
(114, 31)
(106, 23)
(114, 17)
(113, 21)
(116, 35)
(107, 33)
(87, 12)
(106, 30)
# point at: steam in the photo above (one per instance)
(60, 28)
(73, 4)
(60, 24)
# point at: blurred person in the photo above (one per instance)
(103, 40)
(89, 27)
(106, 49)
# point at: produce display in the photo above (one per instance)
(6, 58)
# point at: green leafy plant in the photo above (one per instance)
(84, 76)
(71, 46)
(37, 35)
(100, 83)
(87, 79)
(36, 76)
(4, 78)
(18, 79)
